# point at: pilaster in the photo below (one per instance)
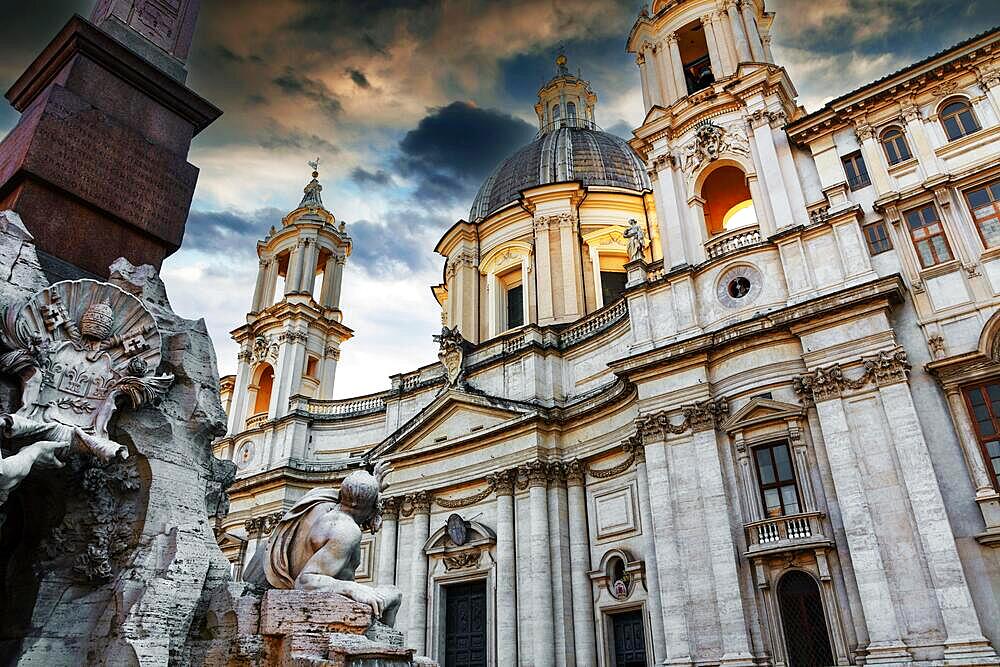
(543, 623)
(421, 503)
(506, 577)
(386, 574)
(676, 65)
(543, 260)
(649, 552)
(579, 544)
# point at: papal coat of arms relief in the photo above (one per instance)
(79, 348)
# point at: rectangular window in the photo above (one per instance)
(776, 477)
(984, 404)
(928, 236)
(857, 173)
(877, 237)
(515, 306)
(984, 203)
(612, 286)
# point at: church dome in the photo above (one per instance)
(575, 153)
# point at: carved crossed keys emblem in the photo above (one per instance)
(78, 346)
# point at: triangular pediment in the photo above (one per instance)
(759, 411)
(454, 415)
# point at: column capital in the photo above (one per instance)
(536, 472)
(416, 503)
(706, 415)
(640, 59)
(910, 112)
(827, 382)
(555, 472)
(671, 39)
(503, 482)
(390, 507)
(988, 76)
(863, 131)
(576, 472)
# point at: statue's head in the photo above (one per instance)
(359, 495)
(97, 320)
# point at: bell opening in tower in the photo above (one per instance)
(694, 56)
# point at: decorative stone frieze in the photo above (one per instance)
(466, 501)
(709, 143)
(293, 337)
(262, 525)
(264, 348)
(462, 561)
(885, 368)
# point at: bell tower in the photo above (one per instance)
(290, 344)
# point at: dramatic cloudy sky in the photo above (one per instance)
(409, 104)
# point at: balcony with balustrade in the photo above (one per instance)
(730, 242)
(794, 532)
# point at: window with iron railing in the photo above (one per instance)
(856, 171)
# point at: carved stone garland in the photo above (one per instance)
(824, 383)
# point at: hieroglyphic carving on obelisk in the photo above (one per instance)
(169, 24)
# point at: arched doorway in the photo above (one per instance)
(807, 641)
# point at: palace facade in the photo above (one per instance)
(725, 394)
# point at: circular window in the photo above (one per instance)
(739, 286)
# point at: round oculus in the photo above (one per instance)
(244, 454)
(739, 286)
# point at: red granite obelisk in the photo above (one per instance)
(97, 165)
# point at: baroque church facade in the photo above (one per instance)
(725, 394)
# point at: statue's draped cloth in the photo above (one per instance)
(283, 562)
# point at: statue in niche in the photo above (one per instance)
(636, 240)
(316, 545)
(78, 346)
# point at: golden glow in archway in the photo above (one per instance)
(741, 215)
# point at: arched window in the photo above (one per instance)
(555, 113)
(571, 112)
(264, 385)
(728, 204)
(895, 146)
(958, 120)
(806, 638)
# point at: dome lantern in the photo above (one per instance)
(565, 101)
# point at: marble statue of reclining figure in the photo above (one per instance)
(316, 545)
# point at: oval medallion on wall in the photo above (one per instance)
(458, 530)
(244, 454)
(739, 286)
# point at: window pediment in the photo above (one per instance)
(504, 257)
(762, 411)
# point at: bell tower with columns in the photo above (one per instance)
(290, 344)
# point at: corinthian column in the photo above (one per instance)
(387, 542)
(506, 577)
(579, 548)
(258, 292)
(544, 650)
(677, 66)
(418, 575)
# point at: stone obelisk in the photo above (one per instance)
(97, 165)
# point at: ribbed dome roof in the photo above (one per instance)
(565, 154)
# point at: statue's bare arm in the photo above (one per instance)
(337, 540)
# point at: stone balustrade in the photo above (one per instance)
(256, 421)
(732, 241)
(774, 534)
(350, 407)
(594, 323)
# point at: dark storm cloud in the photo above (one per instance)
(275, 137)
(229, 234)
(297, 85)
(358, 77)
(456, 146)
(362, 176)
(398, 245)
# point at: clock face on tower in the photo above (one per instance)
(739, 286)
